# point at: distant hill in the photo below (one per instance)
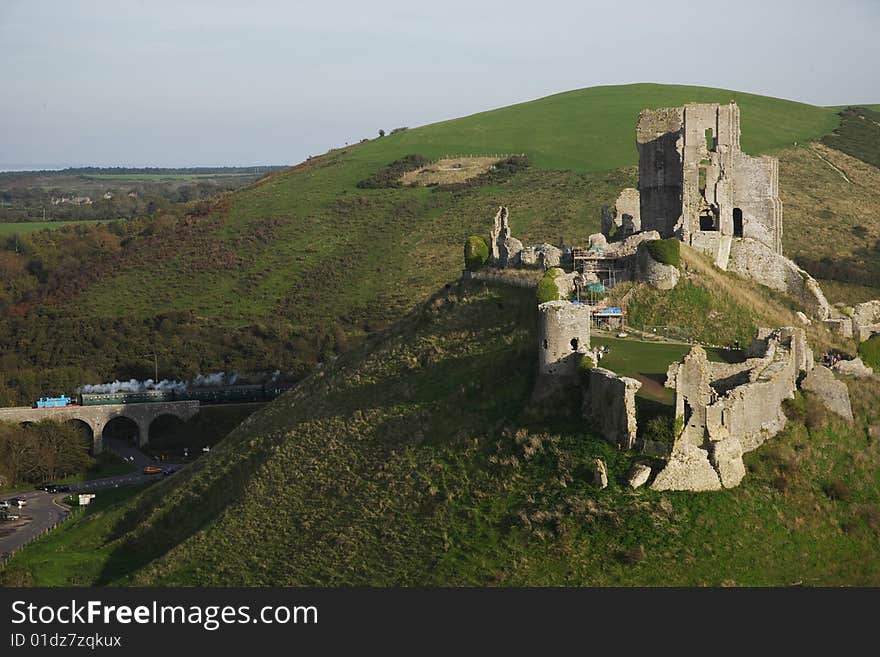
(594, 129)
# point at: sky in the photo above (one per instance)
(219, 83)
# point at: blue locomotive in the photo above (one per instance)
(54, 402)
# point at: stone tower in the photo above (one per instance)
(563, 337)
(697, 184)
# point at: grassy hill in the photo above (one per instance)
(594, 129)
(411, 456)
(417, 459)
(302, 265)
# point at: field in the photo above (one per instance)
(68, 556)
(23, 227)
(114, 193)
(648, 361)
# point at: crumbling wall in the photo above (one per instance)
(866, 320)
(659, 139)
(756, 261)
(721, 420)
(696, 183)
(610, 403)
(625, 217)
(505, 248)
(656, 274)
(563, 337)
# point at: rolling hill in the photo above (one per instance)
(301, 266)
(412, 455)
(418, 460)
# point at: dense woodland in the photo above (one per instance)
(42, 451)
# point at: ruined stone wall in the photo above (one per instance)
(505, 247)
(756, 261)
(756, 194)
(658, 139)
(722, 420)
(866, 320)
(626, 217)
(696, 183)
(610, 403)
(563, 337)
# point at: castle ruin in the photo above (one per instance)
(696, 183)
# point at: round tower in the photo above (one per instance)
(563, 336)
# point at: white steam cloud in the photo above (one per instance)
(133, 385)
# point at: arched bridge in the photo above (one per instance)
(97, 417)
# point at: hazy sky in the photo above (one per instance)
(190, 82)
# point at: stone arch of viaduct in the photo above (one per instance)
(97, 417)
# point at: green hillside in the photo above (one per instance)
(411, 455)
(301, 266)
(594, 129)
(417, 460)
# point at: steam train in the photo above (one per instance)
(214, 395)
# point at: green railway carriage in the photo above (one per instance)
(221, 395)
(144, 397)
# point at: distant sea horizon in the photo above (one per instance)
(18, 168)
(11, 168)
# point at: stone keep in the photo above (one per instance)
(696, 183)
(563, 337)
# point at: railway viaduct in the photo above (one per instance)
(97, 417)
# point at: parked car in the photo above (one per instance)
(8, 515)
(169, 471)
(20, 501)
(59, 488)
(152, 469)
(4, 504)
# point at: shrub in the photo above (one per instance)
(837, 490)
(476, 253)
(661, 429)
(391, 174)
(869, 351)
(667, 252)
(547, 290)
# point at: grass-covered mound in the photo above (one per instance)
(869, 351)
(593, 129)
(416, 460)
(666, 252)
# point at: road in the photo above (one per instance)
(43, 510)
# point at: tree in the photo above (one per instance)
(381, 133)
